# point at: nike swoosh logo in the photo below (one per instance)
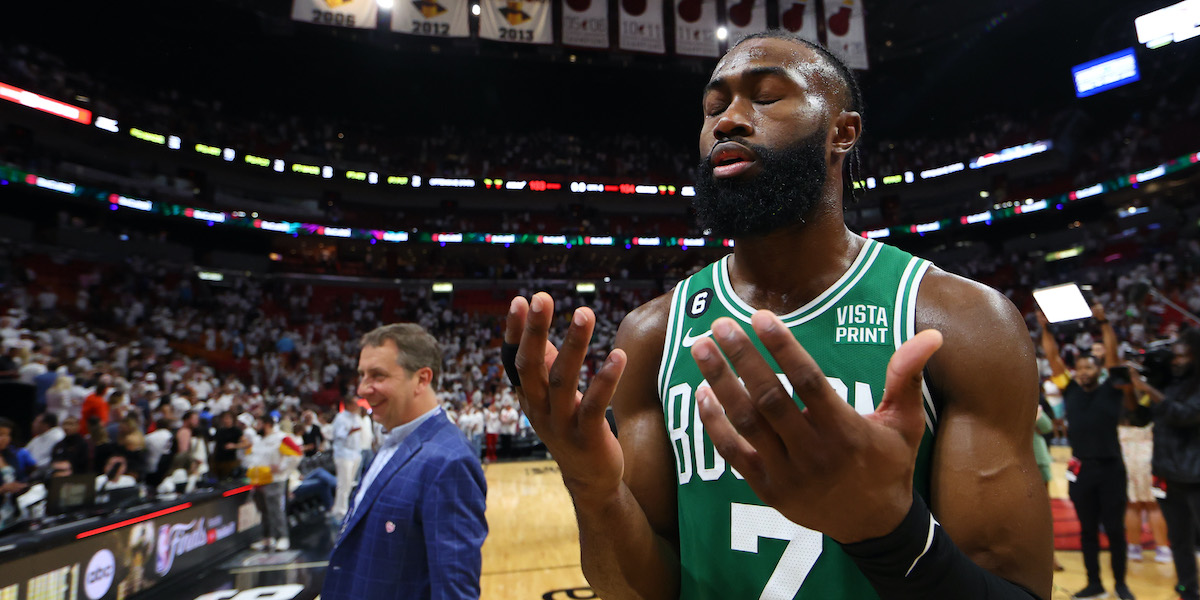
(689, 339)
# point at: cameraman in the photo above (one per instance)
(1177, 455)
(1093, 411)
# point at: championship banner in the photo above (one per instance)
(745, 17)
(799, 17)
(696, 27)
(361, 14)
(522, 21)
(585, 23)
(846, 31)
(642, 26)
(441, 18)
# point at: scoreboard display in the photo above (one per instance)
(1105, 73)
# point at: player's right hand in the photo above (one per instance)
(571, 423)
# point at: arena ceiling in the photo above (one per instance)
(934, 63)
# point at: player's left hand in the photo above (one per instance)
(825, 467)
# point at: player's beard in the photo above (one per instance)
(785, 191)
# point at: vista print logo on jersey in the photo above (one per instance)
(861, 324)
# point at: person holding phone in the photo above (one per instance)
(1098, 486)
(1176, 413)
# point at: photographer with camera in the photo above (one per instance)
(1098, 490)
(1176, 412)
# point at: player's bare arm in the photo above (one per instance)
(625, 508)
(987, 492)
(1050, 349)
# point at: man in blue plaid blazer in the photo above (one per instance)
(416, 522)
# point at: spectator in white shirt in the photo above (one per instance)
(370, 432)
(36, 366)
(59, 400)
(46, 433)
(491, 428)
(471, 424)
(182, 402)
(347, 456)
(508, 429)
(269, 452)
(158, 443)
(114, 476)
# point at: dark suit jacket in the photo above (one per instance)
(419, 528)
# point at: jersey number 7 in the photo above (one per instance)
(749, 522)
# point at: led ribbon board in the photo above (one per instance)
(44, 104)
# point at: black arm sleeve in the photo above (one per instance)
(919, 561)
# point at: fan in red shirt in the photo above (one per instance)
(95, 405)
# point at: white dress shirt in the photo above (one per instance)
(390, 442)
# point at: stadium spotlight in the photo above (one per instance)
(475, 9)
(722, 33)
(384, 4)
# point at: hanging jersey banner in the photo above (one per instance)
(441, 18)
(521, 21)
(799, 17)
(696, 28)
(642, 26)
(360, 14)
(745, 17)
(585, 23)
(846, 31)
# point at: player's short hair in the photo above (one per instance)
(849, 81)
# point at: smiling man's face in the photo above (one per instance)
(389, 388)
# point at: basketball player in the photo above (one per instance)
(720, 488)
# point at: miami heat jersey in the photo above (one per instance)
(731, 544)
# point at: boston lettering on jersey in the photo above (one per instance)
(731, 544)
(693, 448)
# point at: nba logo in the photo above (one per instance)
(164, 550)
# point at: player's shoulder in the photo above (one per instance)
(979, 327)
(949, 302)
(646, 323)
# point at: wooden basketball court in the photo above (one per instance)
(532, 550)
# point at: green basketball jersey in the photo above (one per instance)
(731, 544)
